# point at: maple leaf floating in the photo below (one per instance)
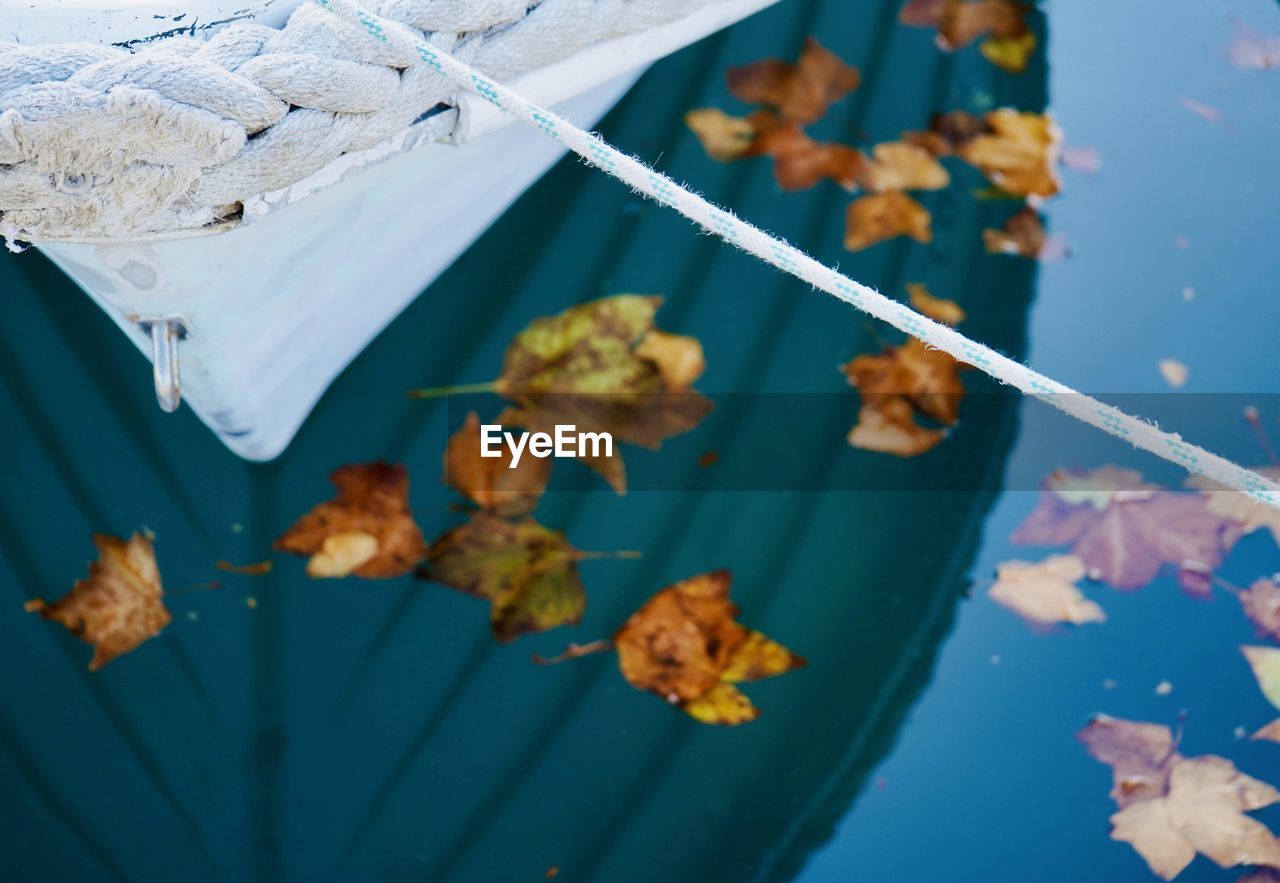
(948, 312)
(119, 605)
(1265, 662)
(898, 385)
(1251, 50)
(1173, 807)
(1125, 529)
(367, 530)
(527, 572)
(1009, 44)
(880, 216)
(799, 162)
(1018, 152)
(1023, 235)
(490, 482)
(685, 646)
(603, 367)
(800, 92)
(1045, 593)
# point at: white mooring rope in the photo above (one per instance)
(724, 224)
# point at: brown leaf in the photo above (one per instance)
(1023, 234)
(685, 646)
(490, 482)
(1019, 154)
(801, 92)
(585, 368)
(948, 312)
(960, 22)
(899, 165)
(1045, 593)
(879, 216)
(527, 572)
(1172, 807)
(725, 138)
(679, 358)
(258, 568)
(372, 499)
(799, 162)
(946, 132)
(927, 379)
(119, 605)
(1261, 603)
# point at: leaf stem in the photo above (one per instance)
(573, 651)
(597, 556)
(436, 392)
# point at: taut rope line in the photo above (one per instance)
(724, 224)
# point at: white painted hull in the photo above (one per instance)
(279, 305)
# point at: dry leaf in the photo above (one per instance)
(946, 132)
(527, 572)
(490, 482)
(880, 216)
(685, 646)
(898, 165)
(1261, 603)
(583, 368)
(948, 312)
(1123, 528)
(1010, 54)
(119, 605)
(1251, 50)
(1045, 593)
(725, 138)
(258, 568)
(1172, 807)
(960, 22)
(679, 358)
(1019, 154)
(898, 386)
(1265, 662)
(1175, 373)
(1023, 234)
(800, 92)
(372, 499)
(799, 162)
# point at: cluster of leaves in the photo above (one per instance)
(601, 366)
(1009, 42)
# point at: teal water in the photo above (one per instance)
(374, 731)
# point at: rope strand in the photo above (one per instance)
(774, 251)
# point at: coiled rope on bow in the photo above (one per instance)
(724, 224)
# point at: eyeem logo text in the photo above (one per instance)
(566, 442)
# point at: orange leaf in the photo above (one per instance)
(801, 92)
(880, 216)
(799, 162)
(490, 482)
(372, 499)
(898, 165)
(119, 605)
(897, 386)
(960, 22)
(939, 309)
(1023, 234)
(1019, 154)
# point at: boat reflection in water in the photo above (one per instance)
(374, 731)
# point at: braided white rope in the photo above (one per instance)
(103, 143)
(724, 224)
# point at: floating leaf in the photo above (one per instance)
(685, 646)
(897, 386)
(800, 92)
(1261, 603)
(1251, 50)
(799, 162)
(960, 22)
(1175, 373)
(1124, 529)
(490, 482)
(1023, 234)
(258, 568)
(1206, 112)
(947, 131)
(527, 572)
(1010, 54)
(589, 367)
(1172, 807)
(1045, 593)
(1019, 153)
(1265, 662)
(898, 165)
(948, 312)
(879, 216)
(1082, 159)
(373, 500)
(341, 554)
(119, 605)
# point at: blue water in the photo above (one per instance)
(352, 731)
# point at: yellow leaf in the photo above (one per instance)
(1010, 54)
(723, 704)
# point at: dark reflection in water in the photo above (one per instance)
(373, 731)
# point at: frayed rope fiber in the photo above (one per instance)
(724, 224)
